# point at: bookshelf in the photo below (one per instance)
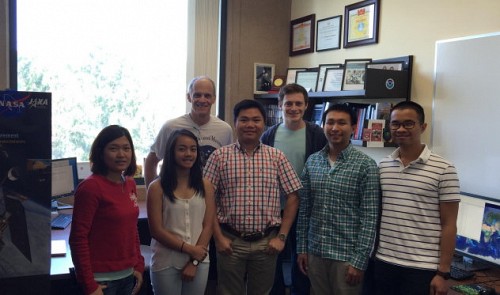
(374, 95)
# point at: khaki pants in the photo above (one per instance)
(249, 270)
(327, 277)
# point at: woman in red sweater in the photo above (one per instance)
(104, 240)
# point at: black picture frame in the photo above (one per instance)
(354, 73)
(361, 21)
(322, 69)
(328, 31)
(291, 74)
(302, 35)
(307, 79)
(333, 79)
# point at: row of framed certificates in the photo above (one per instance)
(360, 28)
(337, 77)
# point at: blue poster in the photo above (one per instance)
(25, 189)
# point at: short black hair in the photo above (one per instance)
(249, 104)
(408, 104)
(291, 89)
(342, 107)
(107, 135)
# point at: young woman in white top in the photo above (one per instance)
(181, 209)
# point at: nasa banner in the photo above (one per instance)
(25, 189)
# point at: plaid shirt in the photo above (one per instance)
(339, 207)
(248, 186)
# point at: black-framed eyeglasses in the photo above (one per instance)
(406, 125)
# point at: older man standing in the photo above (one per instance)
(211, 131)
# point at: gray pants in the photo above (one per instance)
(327, 277)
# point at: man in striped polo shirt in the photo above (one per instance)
(420, 196)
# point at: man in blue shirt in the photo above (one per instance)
(338, 209)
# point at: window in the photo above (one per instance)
(105, 62)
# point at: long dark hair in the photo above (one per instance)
(107, 135)
(168, 172)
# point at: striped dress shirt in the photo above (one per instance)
(339, 207)
(410, 229)
(248, 186)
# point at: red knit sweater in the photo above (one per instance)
(104, 235)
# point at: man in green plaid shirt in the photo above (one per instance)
(338, 209)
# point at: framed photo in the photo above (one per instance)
(361, 23)
(322, 73)
(307, 79)
(333, 79)
(292, 73)
(394, 66)
(328, 33)
(262, 77)
(302, 35)
(354, 74)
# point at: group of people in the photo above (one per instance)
(231, 207)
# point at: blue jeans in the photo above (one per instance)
(119, 287)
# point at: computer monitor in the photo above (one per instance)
(478, 229)
(64, 177)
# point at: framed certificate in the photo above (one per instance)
(291, 73)
(361, 23)
(333, 79)
(302, 35)
(328, 33)
(322, 73)
(307, 79)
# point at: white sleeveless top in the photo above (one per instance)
(183, 218)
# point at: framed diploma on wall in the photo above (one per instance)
(302, 35)
(328, 33)
(361, 23)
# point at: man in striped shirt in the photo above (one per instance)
(338, 210)
(420, 196)
(249, 231)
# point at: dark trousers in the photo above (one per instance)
(119, 287)
(395, 280)
(300, 282)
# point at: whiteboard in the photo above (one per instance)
(466, 110)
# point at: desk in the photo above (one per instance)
(59, 266)
(489, 277)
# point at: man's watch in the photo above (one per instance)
(195, 262)
(444, 275)
(282, 237)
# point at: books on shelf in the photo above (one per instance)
(273, 115)
(317, 115)
(383, 111)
